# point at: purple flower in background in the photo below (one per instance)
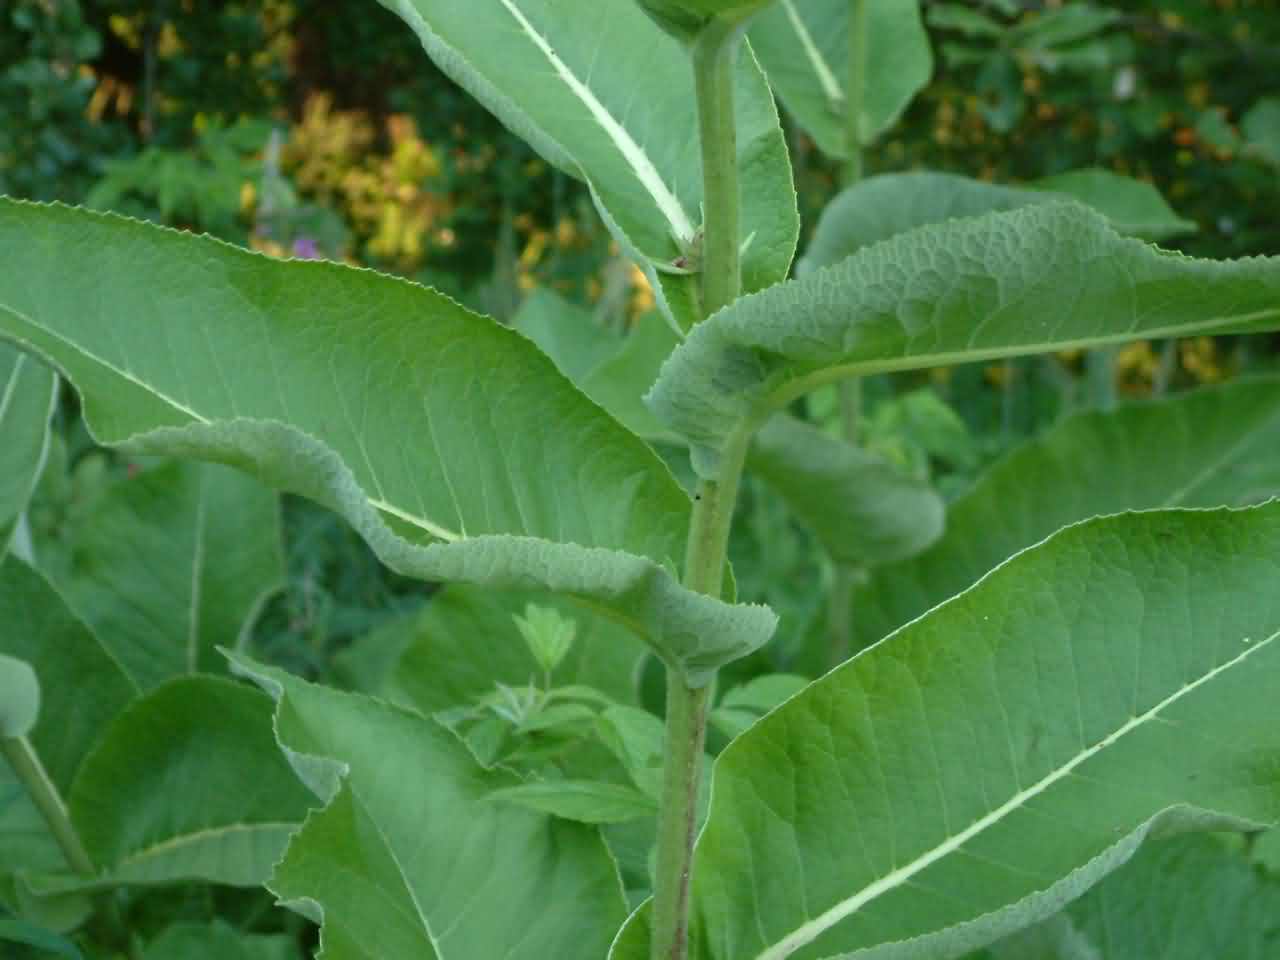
(304, 248)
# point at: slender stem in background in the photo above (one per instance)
(31, 773)
(1101, 370)
(840, 601)
(713, 57)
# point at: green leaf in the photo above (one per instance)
(405, 799)
(629, 131)
(28, 391)
(1188, 898)
(900, 803)
(619, 382)
(971, 23)
(188, 784)
(1211, 447)
(1134, 207)
(1047, 277)
(884, 206)
(583, 801)
(169, 564)
(804, 47)
(565, 332)
(862, 509)
(1261, 128)
(217, 941)
(83, 686)
(449, 442)
(13, 930)
(19, 697)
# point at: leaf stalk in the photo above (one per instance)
(44, 794)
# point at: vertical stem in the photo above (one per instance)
(855, 95)
(714, 53)
(713, 56)
(31, 773)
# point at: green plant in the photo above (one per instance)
(961, 781)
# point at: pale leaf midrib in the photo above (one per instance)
(435, 530)
(632, 153)
(822, 70)
(11, 386)
(143, 855)
(810, 931)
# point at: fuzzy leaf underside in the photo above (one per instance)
(413, 855)
(1216, 446)
(985, 765)
(881, 207)
(1046, 277)
(450, 443)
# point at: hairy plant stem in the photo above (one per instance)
(713, 55)
(31, 773)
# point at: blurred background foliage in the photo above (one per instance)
(320, 129)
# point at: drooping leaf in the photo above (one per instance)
(1045, 277)
(28, 391)
(218, 941)
(19, 697)
(861, 508)
(187, 784)
(14, 930)
(450, 443)
(168, 565)
(803, 45)
(413, 856)
(899, 804)
(884, 206)
(83, 687)
(1215, 446)
(1187, 898)
(628, 130)
(1134, 207)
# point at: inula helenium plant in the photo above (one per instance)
(1075, 657)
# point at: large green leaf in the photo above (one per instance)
(861, 508)
(449, 442)
(83, 687)
(804, 47)
(1031, 280)
(1213, 447)
(171, 563)
(187, 783)
(602, 92)
(982, 767)
(884, 206)
(413, 857)
(28, 391)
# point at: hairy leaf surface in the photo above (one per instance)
(449, 442)
(1046, 277)
(413, 857)
(1096, 683)
(804, 47)
(884, 206)
(1211, 447)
